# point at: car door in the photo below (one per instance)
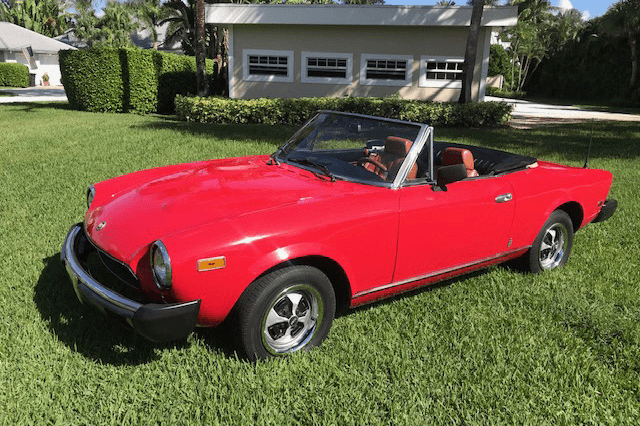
(443, 230)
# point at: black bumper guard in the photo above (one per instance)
(156, 322)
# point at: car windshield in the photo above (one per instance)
(351, 147)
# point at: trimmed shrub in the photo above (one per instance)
(140, 80)
(296, 111)
(499, 62)
(93, 79)
(177, 76)
(14, 75)
(128, 79)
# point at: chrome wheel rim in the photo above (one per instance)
(553, 246)
(292, 319)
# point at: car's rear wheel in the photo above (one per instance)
(552, 246)
(285, 311)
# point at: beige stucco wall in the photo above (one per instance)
(385, 40)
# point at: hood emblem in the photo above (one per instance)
(101, 226)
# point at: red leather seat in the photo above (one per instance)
(452, 156)
(395, 151)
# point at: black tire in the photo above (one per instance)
(287, 310)
(552, 246)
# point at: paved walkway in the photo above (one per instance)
(34, 94)
(528, 114)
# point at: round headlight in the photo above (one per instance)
(161, 265)
(91, 193)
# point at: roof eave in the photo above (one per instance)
(353, 15)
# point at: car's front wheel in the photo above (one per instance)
(287, 310)
(552, 246)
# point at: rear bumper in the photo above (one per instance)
(607, 210)
(156, 322)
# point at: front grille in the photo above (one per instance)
(119, 270)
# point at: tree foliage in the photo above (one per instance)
(593, 64)
(181, 20)
(151, 13)
(623, 20)
(112, 29)
(542, 30)
(116, 25)
(47, 17)
(498, 60)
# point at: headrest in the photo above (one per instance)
(458, 156)
(397, 146)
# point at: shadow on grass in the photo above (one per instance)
(35, 106)
(275, 134)
(105, 340)
(87, 331)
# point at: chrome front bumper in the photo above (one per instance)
(156, 322)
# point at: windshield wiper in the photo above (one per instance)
(273, 158)
(310, 162)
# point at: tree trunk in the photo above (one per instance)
(202, 85)
(470, 52)
(634, 60)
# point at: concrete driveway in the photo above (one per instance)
(528, 114)
(34, 94)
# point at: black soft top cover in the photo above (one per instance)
(487, 161)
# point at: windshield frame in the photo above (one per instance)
(424, 136)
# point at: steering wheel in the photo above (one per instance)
(363, 160)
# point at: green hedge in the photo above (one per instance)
(93, 79)
(296, 111)
(14, 75)
(127, 79)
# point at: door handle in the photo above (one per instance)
(504, 198)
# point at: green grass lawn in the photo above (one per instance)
(497, 347)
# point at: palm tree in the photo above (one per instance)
(470, 51)
(181, 20)
(85, 21)
(116, 25)
(202, 84)
(48, 17)
(623, 20)
(151, 13)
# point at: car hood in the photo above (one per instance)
(193, 195)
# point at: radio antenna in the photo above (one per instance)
(586, 160)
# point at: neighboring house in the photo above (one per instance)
(142, 38)
(14, 41)
(69, 37)
(415, 52)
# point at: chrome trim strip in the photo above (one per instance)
(434, 274)
(74, 267)
(412, 157)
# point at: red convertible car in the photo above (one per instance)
(350, 210)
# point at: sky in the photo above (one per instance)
(588, 8)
